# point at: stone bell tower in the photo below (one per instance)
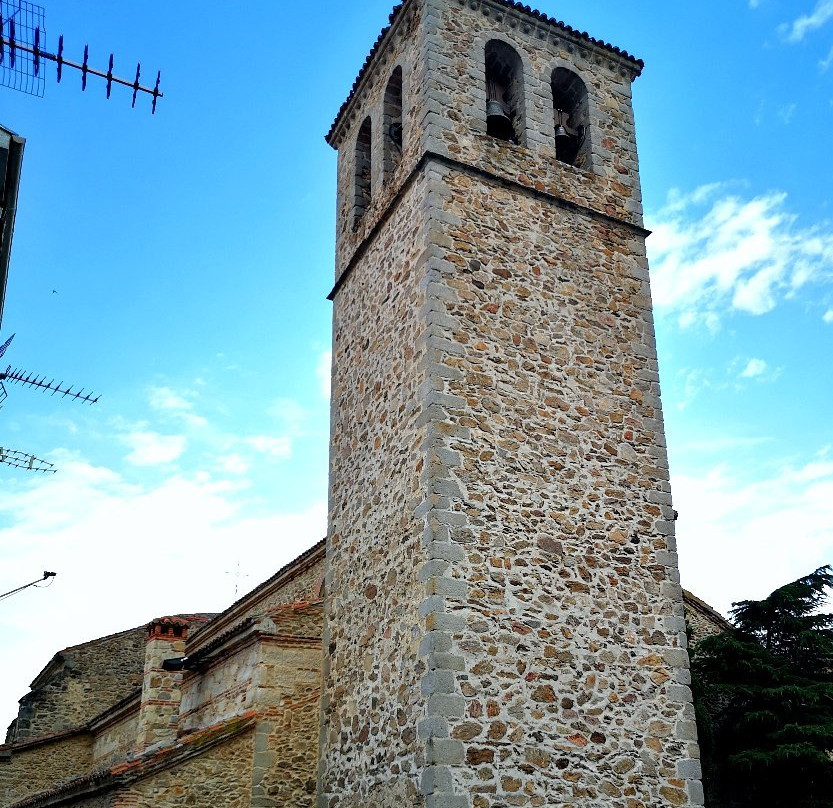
(504, 615)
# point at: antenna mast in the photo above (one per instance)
(23, 51)
(25, 460)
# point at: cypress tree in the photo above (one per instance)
(764, 701)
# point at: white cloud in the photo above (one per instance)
(753, 369)
(786, 113)
(713, 252)
(741, 538)
(168, 402)
(803, 25)
(126, 553)
(153, 449)
(275, 447)
(824, 64)
(290, 414)
(828, 316)
(694, 381)
(322, 371)
(234, 464)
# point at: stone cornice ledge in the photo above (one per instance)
(518, 14)
(477, 171)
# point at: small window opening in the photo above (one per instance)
(393, 122)
(504, 92)
(363, 171)
(572, 114)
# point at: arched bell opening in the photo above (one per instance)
(572, 117)
(504, 92)
(363, 169)
(393, 134)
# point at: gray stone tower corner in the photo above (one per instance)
(504, 620)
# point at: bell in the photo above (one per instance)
(561, 134)
(498, 123)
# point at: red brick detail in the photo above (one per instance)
(173, 628)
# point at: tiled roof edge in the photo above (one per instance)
(710, 610)
(129, 771)
(538, 15)
(252, 594)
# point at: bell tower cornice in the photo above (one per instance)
(511, 16)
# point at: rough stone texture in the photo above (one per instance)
(175, 744)
(161, 689)
(702, 620)
(286, 740)
(278, 708)
(374, 628)
(498, 465)
(79, 682)
(220, 776)
(303, 587)
(115, 742)
(504, 621)
(41, 766)
(220, 692)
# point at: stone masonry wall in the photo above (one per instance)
(568, 680)
(405, 48)
(87, 679)
(455, 106)
(701, 619)
(219, 693)
(116, 742)
(498, 383)
(286, 740)
(220, 776)
(371, 704)
(302, 587)
(38, 767)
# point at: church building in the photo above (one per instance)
(495, 617)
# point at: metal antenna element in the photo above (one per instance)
(5, 345)
(11, 592)
(22, 32)
(30, 380)
(24, 460)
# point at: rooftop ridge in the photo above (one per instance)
(510, 4)
(292, 566)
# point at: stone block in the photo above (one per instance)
(444, 752)
(446, 705)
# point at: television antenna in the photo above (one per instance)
(23, 55)
(25, 460)
(40, 383)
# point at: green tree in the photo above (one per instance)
(764, 700)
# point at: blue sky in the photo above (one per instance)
(190, 254)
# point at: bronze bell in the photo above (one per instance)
(498, 123)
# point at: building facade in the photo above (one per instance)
(11, 161)
(504, 619)
(503, 623)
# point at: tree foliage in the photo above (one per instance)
(764, 700)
